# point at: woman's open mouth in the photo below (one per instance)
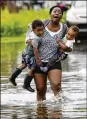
(56, 17)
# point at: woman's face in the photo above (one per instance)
(56, 14)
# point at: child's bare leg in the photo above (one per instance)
(30, 72)
(22, 66)
(16, 72)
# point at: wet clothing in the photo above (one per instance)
(60, 55)
(57, 65)
(48, 47)
(28, 53)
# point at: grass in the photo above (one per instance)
(23, 17)
(12, 39)
(16, 24)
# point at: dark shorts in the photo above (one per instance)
(57, 65)
(23, 59)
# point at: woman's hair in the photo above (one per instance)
(37, 23)
(51, 9)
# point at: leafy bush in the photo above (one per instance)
(11, 30)
(16, 24)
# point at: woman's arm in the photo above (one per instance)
(63, 46)
(38, 59)
(68, 49)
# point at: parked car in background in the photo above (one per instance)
(67, 3)
(76, 15)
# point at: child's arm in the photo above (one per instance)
(63, 46)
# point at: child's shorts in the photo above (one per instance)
(23, 58)
(30, 61)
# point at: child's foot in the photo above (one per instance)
(44, 69)
(28, 88)
(27, 82)
(13, 81)
(14, 75)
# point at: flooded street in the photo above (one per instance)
(17, 103)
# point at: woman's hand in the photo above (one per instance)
(61, 45)
(38, 61)
(29, 42)
(68, 49)
(58, 41)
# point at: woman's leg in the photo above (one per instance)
(54, 77)
(41, 86)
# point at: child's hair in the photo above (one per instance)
(75, 29)
(37, 23)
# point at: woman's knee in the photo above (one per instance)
(55, 79)
(41, 84)
(41, 90)
(56, 86)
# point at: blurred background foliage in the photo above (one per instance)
(16, 15)
(16, 24)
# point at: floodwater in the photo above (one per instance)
(17, 103)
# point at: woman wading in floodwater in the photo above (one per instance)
(47, 49)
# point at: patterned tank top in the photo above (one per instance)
(48, 46)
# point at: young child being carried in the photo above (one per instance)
(30, 56)
(65, 46)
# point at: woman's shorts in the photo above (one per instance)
(57, 65)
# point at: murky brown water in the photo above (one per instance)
(17, 103)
